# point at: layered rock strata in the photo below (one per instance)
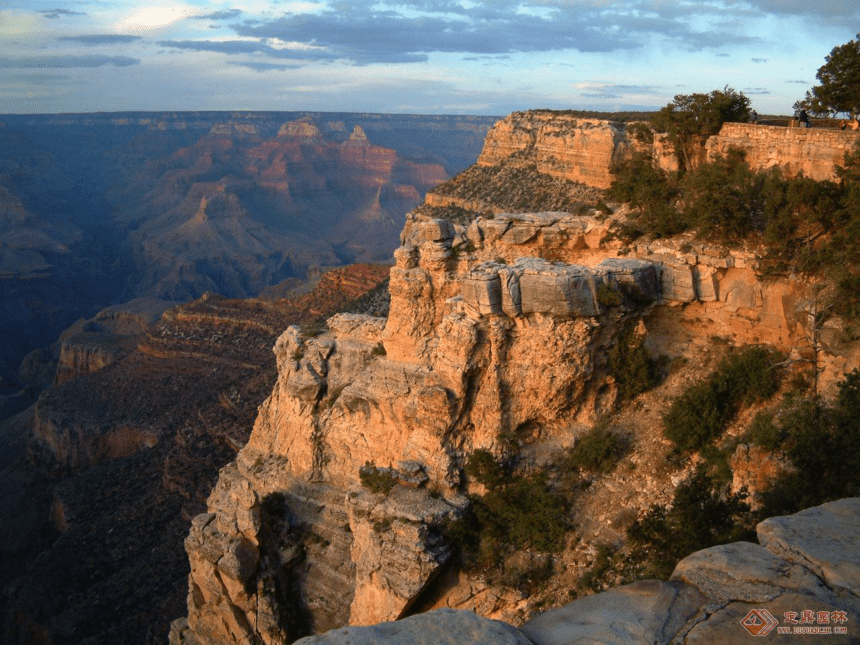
(498, 330)
(584, 150)
(801, 580)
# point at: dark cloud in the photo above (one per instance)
(610, 91)
(100, 39)
(244, 47)
(367, 35)
(755, 90)
(759, 60)
(264, 67)
(51, 62)
(365, 32)
(53, 14)
(820, 10)
(220, 15)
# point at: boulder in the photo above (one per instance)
(440, 627)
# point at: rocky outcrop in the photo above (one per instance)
(584, 150)
(812, 152)
(803, 574)
(498, 329)
(801, 580)
(580, 150)
(440, 627)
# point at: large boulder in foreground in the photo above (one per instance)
(440, 627)
(803, 577)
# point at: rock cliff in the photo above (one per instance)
(123, 457)
(801, 581)
(485, 341)
(499, 333)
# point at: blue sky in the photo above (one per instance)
(410, 56)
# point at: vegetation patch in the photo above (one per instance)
(597, 451)
(632, 366)
(822, 441)
(519, 512)
(702, 412)
(376, 480)
(702, 514)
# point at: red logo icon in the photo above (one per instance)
(759, 622)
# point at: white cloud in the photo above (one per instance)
(153, 18)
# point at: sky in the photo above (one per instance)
(488, 57)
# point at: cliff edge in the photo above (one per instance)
(499, 334)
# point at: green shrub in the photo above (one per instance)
(632, 366)
(702, 514)
(823, 444)
(517, 512)
(376, 480)
(597, 451)
(722, 198)
(484, 468)
(607, 296)
(701, 413)
(379, 349)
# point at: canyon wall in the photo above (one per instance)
(584, 150)
(499, 333)
(813, 152)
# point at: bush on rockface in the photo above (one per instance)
(518, 512)
(822, 442)
(597, 451)
(702, 412)
(702, 514)
(632, 366)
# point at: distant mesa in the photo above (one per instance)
(234, 129)
(358, 134)
(300, 128)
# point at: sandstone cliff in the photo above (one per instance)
(123, 457)
(727, 594)
(499, 332)
(480, 345)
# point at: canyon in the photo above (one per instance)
(313, 469)
(501, 324)
(96, 210)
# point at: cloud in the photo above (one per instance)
(37, 78)
(615, 91)
(756, 90)
(53, 14)
(831, 9)
(150, 18)
(403, 31)
(264, 67)
(100, 39)
(249, 46)
(49, 62)
(220, 15)
(759, 60)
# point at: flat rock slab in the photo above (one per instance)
(439, 627)
(743, 571)
(650, 611)
(724, 626)
(825, 539)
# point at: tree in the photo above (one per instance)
(840, 82)
(691, 118)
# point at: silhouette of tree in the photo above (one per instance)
(839, 90)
